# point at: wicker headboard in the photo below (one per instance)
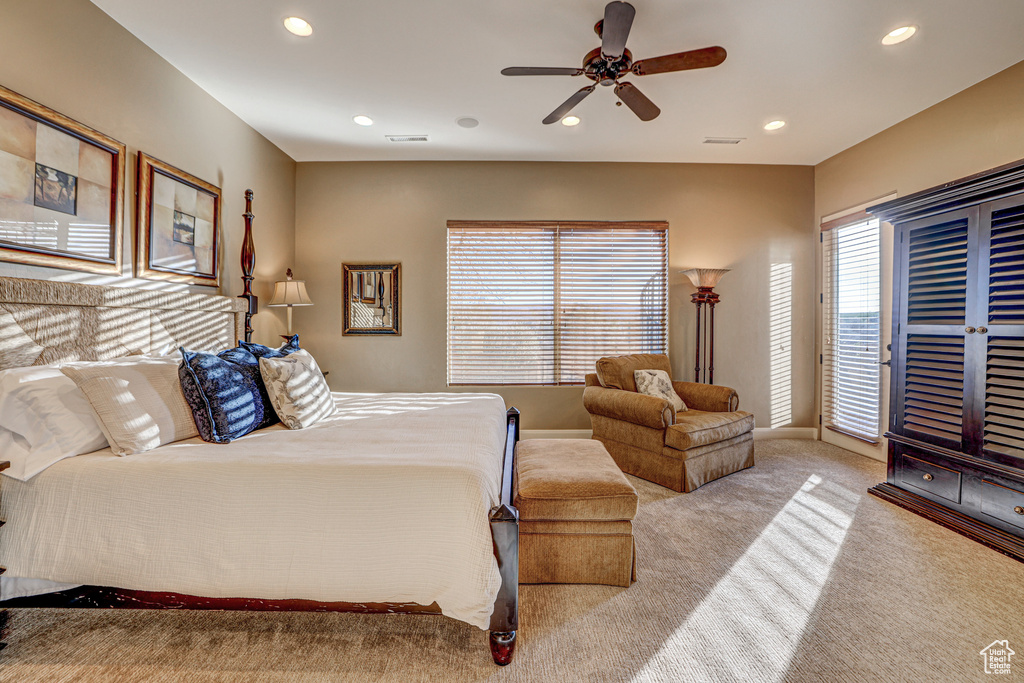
(44, 321)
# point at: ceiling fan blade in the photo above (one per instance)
(567, 106)
(541, 71)
(680, 61)
(618, 18)
(637, 101)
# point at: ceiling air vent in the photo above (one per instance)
(408, 138)
(723, 141)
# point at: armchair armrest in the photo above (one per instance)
(629, 406)
(707, 397)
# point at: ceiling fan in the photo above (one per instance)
(612, 61)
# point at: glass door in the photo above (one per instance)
(855, 318)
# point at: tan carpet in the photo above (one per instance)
(787, 571)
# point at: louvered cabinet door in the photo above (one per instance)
(938, 286)
(1001, 377)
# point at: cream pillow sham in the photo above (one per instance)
(46, 419)
(138, 401)
(658, 383)
(297, 389)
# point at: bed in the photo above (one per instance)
(398, 502)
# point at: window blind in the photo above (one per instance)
(539, 303)
(851, 395)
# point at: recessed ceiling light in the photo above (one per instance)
(363, 120)
(571, 121)
(299, 27)
(898, 35)
(467, 122)
(774, 125)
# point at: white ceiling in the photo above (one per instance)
(416, 66)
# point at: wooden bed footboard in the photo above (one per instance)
(504, 521)
(505, 532)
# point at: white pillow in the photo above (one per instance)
(658, 383)
(138, 401)
(48, 417)
(297, 389)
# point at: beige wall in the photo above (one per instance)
(742, 217)
(977, 129)
(71, 57)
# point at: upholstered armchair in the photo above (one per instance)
(649, 439)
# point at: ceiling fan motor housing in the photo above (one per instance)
(605, 71)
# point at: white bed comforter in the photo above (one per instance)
(386, 501)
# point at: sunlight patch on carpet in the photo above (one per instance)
(752, 621)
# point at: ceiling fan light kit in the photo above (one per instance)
(607, 64)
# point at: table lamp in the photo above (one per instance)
(290, 293)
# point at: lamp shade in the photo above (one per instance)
(705, 277)
(290, 293)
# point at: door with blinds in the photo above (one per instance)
(939, 273)
(856, 315)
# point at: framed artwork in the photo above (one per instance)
(370, 298)
(61, 190)
(177, 225)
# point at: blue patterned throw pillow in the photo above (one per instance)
(226, 393)
(261, 351)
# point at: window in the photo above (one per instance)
(851, 314)
(539, 303)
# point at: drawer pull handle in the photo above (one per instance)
(982, 330)
(969, 330)
(927, 477)
(1019, 510)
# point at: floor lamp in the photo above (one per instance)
(705, 298)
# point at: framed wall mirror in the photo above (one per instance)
(370, 298)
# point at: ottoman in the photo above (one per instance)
(576, 512)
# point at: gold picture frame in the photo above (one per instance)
(61, 190)
(177, 225)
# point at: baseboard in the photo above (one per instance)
(555, 434)
(786, 433)
(759, 433)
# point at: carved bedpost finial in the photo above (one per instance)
(248, 265)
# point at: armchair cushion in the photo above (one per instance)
(709, 397)
(698, 428)
(616, 372)
(640, 409)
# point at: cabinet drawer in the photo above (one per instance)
(1003, 503)
(936, 480)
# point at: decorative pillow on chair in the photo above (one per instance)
(138, 401)
(658, 383)
(261, 351)
(297, 389)
(225, 393)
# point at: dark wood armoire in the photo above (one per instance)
(956, 423)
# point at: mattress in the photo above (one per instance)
(386, 501)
